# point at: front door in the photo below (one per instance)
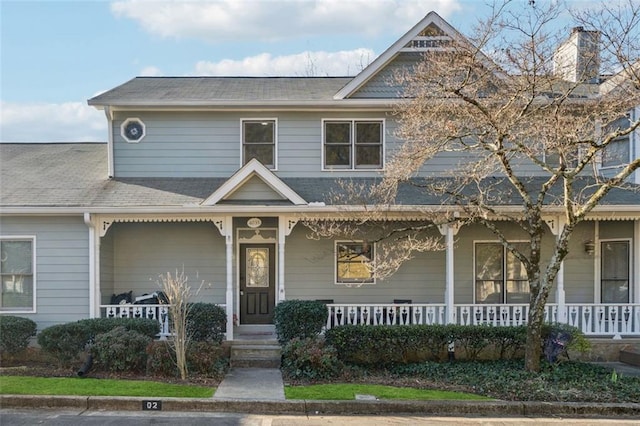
(257, 283)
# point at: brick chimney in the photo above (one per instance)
(578, 58)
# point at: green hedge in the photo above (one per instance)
(120, 349)
(206, 322)
(384, 345)
(67, 341)
(15, 333)
(310, 359)
(299, 319)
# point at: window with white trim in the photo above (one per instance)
(499, 276)
(353, 144)
(16, 272)
(259, 141)
(352, 262)
(618, 152)
(615, 271)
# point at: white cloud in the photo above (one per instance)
(224, 20)
(150, 71)
(49, 122)
(343, 63)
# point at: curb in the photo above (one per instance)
(310, 408)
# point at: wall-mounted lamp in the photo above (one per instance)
(589, 247)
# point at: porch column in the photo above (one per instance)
(556, 225)
(285, 226)
(228, 234)
(636, 261)
(94, 259)
(449, 230)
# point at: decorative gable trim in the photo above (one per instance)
(431, 33)
(244, 174)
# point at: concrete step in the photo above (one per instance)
(255, 354)
(631, 355)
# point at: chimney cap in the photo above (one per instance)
(577, 29)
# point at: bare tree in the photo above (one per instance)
(176, 288)
(526, 130)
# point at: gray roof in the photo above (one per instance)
(75, 175)
(217, 90)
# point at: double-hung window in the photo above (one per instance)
(16, 272)
(615, 273)
(353, 144)
(618, 152)
(499, 276)
(352, 262)
(259, 141)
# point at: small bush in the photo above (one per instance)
(64, 341)
(310, 359)
(508, 341)
(145, 326)
(299, 319)
(160, 359)
(206, 359)
(120, 350)
(473, 339)
(576, 340)
(15, 333)
(206, 322)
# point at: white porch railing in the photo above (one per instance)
(385, 314)
(615, 320)
(156, 312)
(605, 320)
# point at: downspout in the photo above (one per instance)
(109, 113)
(92, 264)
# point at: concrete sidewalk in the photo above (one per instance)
(258, 384)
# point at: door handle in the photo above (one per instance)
(241, 293)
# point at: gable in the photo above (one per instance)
(377, 80)
(254, 182)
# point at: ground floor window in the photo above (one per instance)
(352, 262)
(615, 271)
(16, 272)
(499, 276)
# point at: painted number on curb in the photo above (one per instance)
(152, 405)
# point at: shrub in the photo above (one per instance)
(311, 359)
(160, 360)
(96, 326)
(206, 359)
(299, 318)
(120, 350)
(15, 333)
(474, 339)
(576, 340)
(64, 341)
(508, 341)
(206, 322)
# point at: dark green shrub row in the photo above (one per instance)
(206, 359)
(310, 359)
(383, 345)
(15, 333)
(120, 350)
(66, 341)
(206, 322)
(299, 319)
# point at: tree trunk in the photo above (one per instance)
(533, 347)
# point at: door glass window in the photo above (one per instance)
(615, 271)
(257, 267)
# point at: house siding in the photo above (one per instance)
(142, 252)
(384, 84)
(62, 266)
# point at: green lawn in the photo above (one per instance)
(349, 391)
(24, 385)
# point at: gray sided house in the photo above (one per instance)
(214, 176)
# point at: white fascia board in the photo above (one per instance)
(310, 105)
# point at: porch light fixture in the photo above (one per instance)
(589, 247)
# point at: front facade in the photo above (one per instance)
(215, 177)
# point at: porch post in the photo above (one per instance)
(285, 226)
(228, 233)
(94, 256)
(556, 225)
(636, 261)
(449, 230)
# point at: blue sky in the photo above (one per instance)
(54, 55)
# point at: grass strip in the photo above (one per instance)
(26, 385)
(349, 391)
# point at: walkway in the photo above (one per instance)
(264, 384)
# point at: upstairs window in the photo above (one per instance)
(618, 151)
(500, 277)
(352, 259)
(16, 272)
(259, 141)
(353, 144)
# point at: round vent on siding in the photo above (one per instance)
(132, 130)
